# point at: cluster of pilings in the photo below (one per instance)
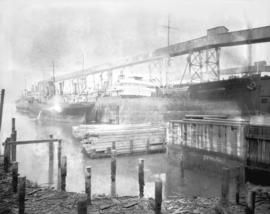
(84, 202)
(19, 183)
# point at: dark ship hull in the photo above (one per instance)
(75, 112)
(251, 94)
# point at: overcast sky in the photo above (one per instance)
(35, 33)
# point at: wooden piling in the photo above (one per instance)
(113, 173)
(141, 177)
(63, 173)
(59, 151)
(13, 145)
(158, 196)
(2, 106)
(225, 186)
(237, 185)
(14, 176)
(251, 202)
(13, 137)
(88, 184)
(51, 161)
(182, 171)
(21, 194)
(13, 128)
(7, 155)
(51, 150)
(82, 206)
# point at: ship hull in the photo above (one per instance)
(63, 112)
(233, 97)
(251, 94)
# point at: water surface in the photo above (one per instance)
(34, 163)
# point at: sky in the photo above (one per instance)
(73, 34)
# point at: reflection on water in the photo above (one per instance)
(34, 164)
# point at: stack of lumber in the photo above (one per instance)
(99, 140)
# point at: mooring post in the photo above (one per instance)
(13, 125)
(225, 186)
(51, 150)
(113, 173)
(141, 177)
(21, 194)
(82, 206)
(182, 171)
(13, 139)
(13, 145)
(88, 184)
(14, 176)
(237, 184)
(51, 161)
(2, 106)
(59, 151)
(251, 202)
(7, 155)
(63, 173)
(158, 196)
(164, 139)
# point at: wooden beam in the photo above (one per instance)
(33, 141)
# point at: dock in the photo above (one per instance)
(209, 142)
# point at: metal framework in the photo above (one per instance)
(204, 64)
(212, 57)
(195, 65)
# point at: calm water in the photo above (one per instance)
(33, 163)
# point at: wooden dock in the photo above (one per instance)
(99, 140)
(213, 143)
(212, 135)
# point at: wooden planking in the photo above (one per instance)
(259, 144)
(99, 143)
(221, 136)
(83, 131)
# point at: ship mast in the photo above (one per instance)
(169, 28)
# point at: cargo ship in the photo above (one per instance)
(42, 103)
(50, 101)
(131, 99)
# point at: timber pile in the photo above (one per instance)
(6, 196)
(99, 140)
